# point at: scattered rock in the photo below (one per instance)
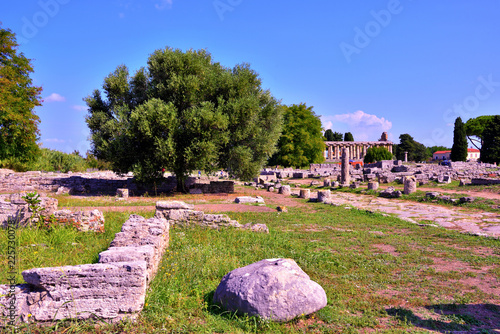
(467, 199)
(249, 199)
(274, 289)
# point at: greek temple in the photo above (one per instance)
(356, 149)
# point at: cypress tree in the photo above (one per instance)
(490, 151)
(348, 136)
(459, 148)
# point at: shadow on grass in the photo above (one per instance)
(473, 318)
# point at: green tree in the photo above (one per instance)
(459, 148)
(377, 154)
(183, 112)
(490, 150)
(332, 136)
(301, 142)
(348, 136)
(416, 151)
(18, 97)
(474, 129)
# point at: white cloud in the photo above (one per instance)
(363, 126)
(79, 108)
(162, 4)
(54, 97)
(54, 140)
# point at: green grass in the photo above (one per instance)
(59, 246)
(335, 247)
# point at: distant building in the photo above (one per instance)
(441, 155)
(472, 155)
(356, 149)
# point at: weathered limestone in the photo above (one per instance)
(305, 193)
(327, 183)
(113, 289)
(249, 199)
(285, 190)
(122, 193)
(92, 220)
(373, 185)
(410, 185)
(390, 192)
(183, 214)
(345, 177)
(14, 207)
(274, 289)
(323, 195)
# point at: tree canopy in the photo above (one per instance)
(184, 112)
(416, 151)
(332, 136)
(490, 151)
(301, 142)
(348, 136)
(377, 154)
(18, 97)
(474, 129)
(459, 148)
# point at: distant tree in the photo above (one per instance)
(474, 129)
(18, 98)
(459, 148)
(416, 151)
(490, 150)
(184, 112)
(377, 154)
(348, 136)
(332, 136)
(301, 142)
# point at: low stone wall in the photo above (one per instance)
(215, 187)
(14, 208)
(177, 212)
(113, 289)
(98, 183)
(484, 181)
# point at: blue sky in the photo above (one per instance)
(407, 66)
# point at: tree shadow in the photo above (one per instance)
(473, 318)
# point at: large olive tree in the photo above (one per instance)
(184, 112)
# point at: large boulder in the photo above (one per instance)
(275, 289)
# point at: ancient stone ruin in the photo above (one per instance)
(115, 287)
(99, 183)
(14, 208)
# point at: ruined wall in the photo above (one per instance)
(112, 289)
(115, 287)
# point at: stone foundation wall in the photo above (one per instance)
(113, 289)
(99, 183)
(215, 187)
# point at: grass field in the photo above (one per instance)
(381, 274)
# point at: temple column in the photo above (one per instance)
(329, 155)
